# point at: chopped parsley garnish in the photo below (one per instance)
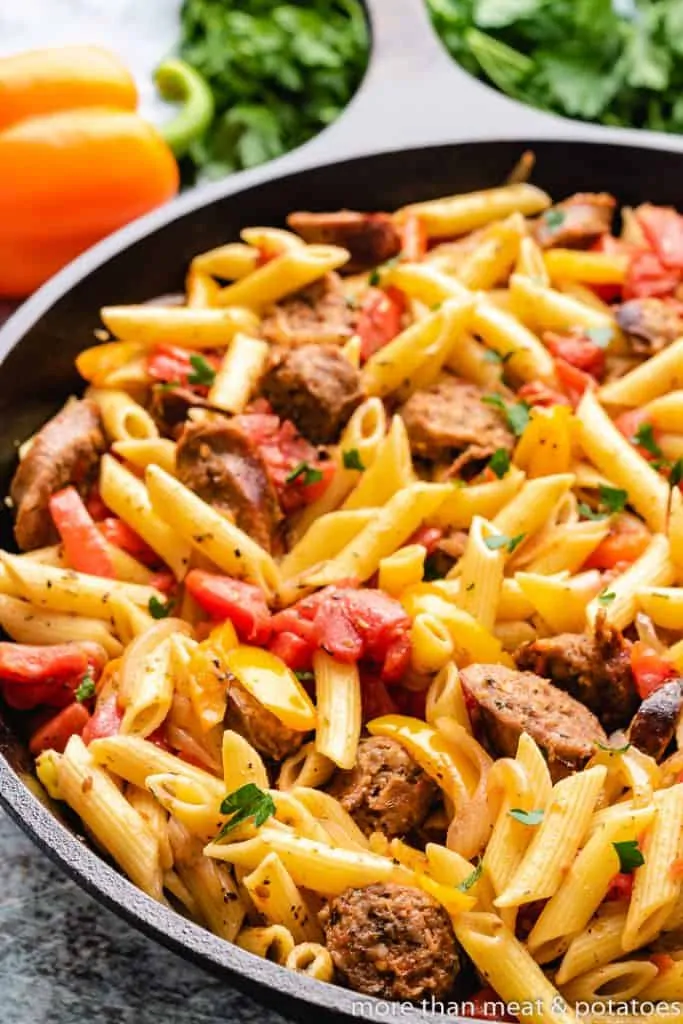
(374, 278)
(676, 474)
(613, 498)
(630, 855)
(499, 463)
(499, 541)
(588, 513)
(516, 413)
(613, 750)
(203, 373)
(554, 218)
(606, 597)
(526, 817)
(246, 802)
(305, 474)
(471, 879)
(86, 688)
(352, 459)
(600, 336)
(158, 609)
(645, 438)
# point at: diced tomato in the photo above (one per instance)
(486, 1005)
(578, 350)
(428, 537)
(24, 663)
(414, 238)
(535, 392)
(27, 696)
(123, 536)
(84, 546)
(620, 887)
(164, 581)
(172, 365)
(296, 652)
(648, 277)
(380, 319)
(573, 380)
(283, 449)
(662, 961)
(626, 541)
(376, 699)
(97, 510)
(663, 229)
(650, 670)
(158, 738)
(353, 625)
(54, 735)
(226, 598)
(105, 720)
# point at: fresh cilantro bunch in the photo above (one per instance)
(279, 72)
(618, 62)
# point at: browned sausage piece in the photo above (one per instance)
(220, 463)
(505, 703)
(391, 941)
(449, 420)
(386, 790)
(316, 387)
(66, 451)
(371, 238)
(596, 670)
(321, 314)
(655, 721)
(649, 325)
(576, 222)
(258, 725)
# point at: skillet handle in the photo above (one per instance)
(415, 94)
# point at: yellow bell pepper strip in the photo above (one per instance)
(41, 82)
(77, 161)
(179, 82)
(273, 685)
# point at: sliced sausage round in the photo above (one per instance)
(505, 703)
(649, 324)
(391, 941)
(321, 314)
(386, 790)
(576, 222)
(221, 463)
(66, 451)
(371, 238)
(655, 721)
(258, 725)
(316, 387)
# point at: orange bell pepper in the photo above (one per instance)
(77, 161)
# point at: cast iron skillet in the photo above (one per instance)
(413, 97)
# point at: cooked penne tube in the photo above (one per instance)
(587, 267)
(446, 699)
(532, 505)
(289, 272)
(124, 419)
(186, 328)
(657, 376)
(545, 309)
(229, 262)
(472, 641)
(273, 942)
(598, 944)
(241, 763)
(392, 469)
(481, 574)
(457, 215)
(561, 601)
(97, 364)
(306, 768)
(526, 357)
(486, 500)
(619, 603)
(157, 450)
(664, 605)
(531, 262)
(28, 624)
(338, 709)
(277, 897)
(324, 538)
(432, 646)
(423, 282)
(623, 981)
(213, 890)
(240, 371)
(495, 255)
(200, 290)
(337, 822)
(134, 759)
(404, 568)
(312, 959)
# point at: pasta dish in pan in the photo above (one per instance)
(348, 613)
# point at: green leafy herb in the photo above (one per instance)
(516, 413)
(203, 372)
(246, 802)
(676, 474)
(526, 817)
(86, 688)
(279, 72)
(499, 463)
(554, 218)
(471, 879)
(588, 513)
(304, 473)
(352, 459)
(374, 278)
(645, 438)
(158, 609)
(613, 498)
(613, 750)
(630, 855)
(617, 62)
(606, 597)
(499, 541)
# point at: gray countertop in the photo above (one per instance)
(66, 960)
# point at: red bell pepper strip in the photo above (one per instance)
(573, 380)
(663, 229)
(650, 670)
(105, 720)
(380, 319)
(413, 238)
(226, 598)
(97, 510)
(24, 663)
(121, 535)
(648, 277)
(621, 887)
(535, 392)
(296, 652)
(84, 546)
(625, 542)
(54, 735)
(578, 350)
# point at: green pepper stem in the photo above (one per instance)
(180, 83)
